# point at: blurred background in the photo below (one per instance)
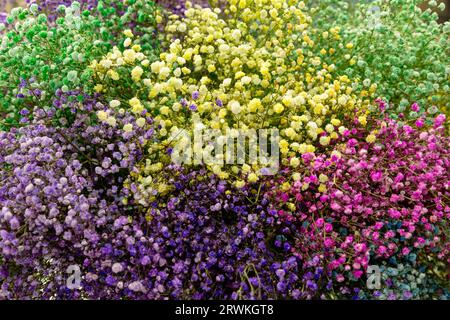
(6, 5)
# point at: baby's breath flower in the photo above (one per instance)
(371, 138)
(128, 127)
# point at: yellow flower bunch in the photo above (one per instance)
(250, 66)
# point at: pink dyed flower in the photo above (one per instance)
(360, 247)
(381, 104)
(420, 123)
(440, 119)
(381, 250)
(329, 242)
(340, 278)
(319, 222)
(394, 214)
(352, 142)
(378, 225)
(376, 176)
(405, 251)
(357, 273)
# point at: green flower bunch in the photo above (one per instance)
(393, 44)
(43, 59)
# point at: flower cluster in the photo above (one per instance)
(393, 44)
(379, 196)
(43, 61)
(100, 99)
(61, 188)
(227, 74)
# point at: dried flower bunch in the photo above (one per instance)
(96, 96)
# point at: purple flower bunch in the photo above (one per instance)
(61, 189)
(201, 244)
(209, 241)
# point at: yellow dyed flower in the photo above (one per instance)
(224, 71)
(127, 42)
(128, 127)
(329, 128)
(164, 72)
(98, 88)
(129, 55)
(362, 120)
(294, 162)
(324, 140)
(254, 105)
(278, 108)
(235, 107)
(114, 103)
(371, 138)
(128, 33)
(102, 115)
(136, 106)
(252, 177)
(240, 184)
(140, 122)
(136, 73)
(335, 122)
(323, 178)
(111, 121)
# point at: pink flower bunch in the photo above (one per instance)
(365, 202)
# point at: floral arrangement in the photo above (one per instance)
(102, 104)
(394, 45)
